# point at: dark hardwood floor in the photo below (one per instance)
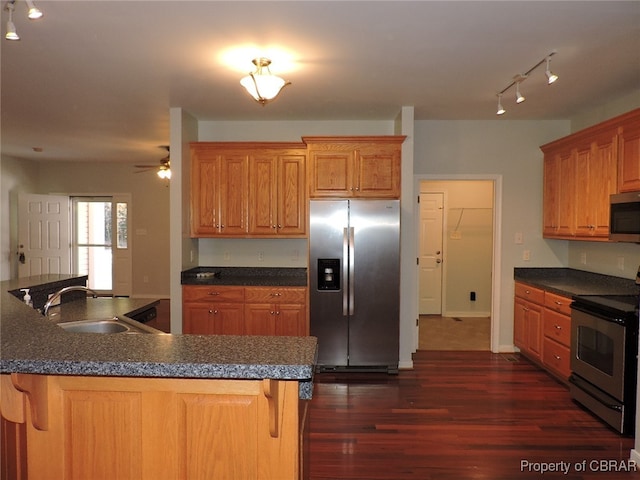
(456, 416)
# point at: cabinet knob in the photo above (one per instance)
(557, 357)
(558, 327)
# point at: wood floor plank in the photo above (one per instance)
(458, 415)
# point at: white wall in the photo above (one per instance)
(16, 176)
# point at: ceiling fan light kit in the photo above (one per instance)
(33, 13)
(521, 77)
(262, 85)
(164, 170)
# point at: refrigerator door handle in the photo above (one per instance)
(351, 270)
(345, 271)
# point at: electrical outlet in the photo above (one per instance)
(583, 258)
(227, 256)
(261, 256)
(620, 263)
(526, 255)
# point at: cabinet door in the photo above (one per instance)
(566, 196)
(534, 329)
(595, 181)
(330, 173)
(233, 184)
(292, 195)
(629, 157)
(377, 172)
(551, 195)
(205, 197)
(197, 319)
(262, 194)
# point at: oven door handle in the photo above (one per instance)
(611, 406)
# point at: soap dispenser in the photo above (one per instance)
(27, 298)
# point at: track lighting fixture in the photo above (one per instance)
(521, 77)
(501, 109)
(33, 13)
(262, 85)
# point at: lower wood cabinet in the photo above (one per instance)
(231, 310)
(542, 328)
(80, 428)
(528, 320)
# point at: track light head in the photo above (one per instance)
(11, 34)
(34, 12)
(501, 109)
(519, 97)
(551, 77)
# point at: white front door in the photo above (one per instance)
(430, 283)
(43, 235)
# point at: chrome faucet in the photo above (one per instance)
(64, 290)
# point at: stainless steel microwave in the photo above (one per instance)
(624, 219)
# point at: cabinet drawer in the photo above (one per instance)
(557, 357)
(558, 327)
(275, 295)
(533, 294)
(212, 293)
(558, 303)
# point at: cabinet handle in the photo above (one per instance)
(557, 357)
(276, 294)
(558, 327)
(213, 293)
(213, 312)
(279, 226)
(559, 303)
(527, 292)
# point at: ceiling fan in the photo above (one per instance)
(163, 169)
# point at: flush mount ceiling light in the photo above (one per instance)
(262, 85)
(33, 13)
(521, 77)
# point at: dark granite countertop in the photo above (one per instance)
(246, 276)
(570, 282)
(31, 343)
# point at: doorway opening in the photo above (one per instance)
(456, 245)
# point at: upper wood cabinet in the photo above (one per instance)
(248, 189)
(219, 186)
(582, 170)
(629, 157)
(344, 167)
(277, 193)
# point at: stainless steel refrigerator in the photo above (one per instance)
(354, 248)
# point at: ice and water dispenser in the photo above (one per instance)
(328, 274)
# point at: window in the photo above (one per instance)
(100, 225)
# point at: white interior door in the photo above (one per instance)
(43, 235)
(430, 263)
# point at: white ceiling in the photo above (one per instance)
(94, 80)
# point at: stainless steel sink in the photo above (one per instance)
(107, 325)
(95, 326)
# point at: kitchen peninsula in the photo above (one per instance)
(89, 405)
